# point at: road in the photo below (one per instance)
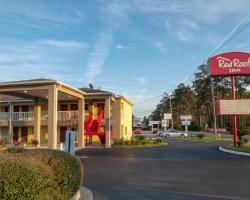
(179, 171)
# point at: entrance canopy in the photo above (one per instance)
(37, 89)
(51, 91)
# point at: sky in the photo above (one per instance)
(135, 48)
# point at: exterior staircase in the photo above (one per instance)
(93, 126)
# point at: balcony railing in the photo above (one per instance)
(44, 115)
(29, 116)
(22, 116)
(4, 116)
(67, 115)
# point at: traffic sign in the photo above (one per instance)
(185, 123)
(186, 117)
(167, 115)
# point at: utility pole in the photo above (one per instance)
(171, 110)
(214, 112)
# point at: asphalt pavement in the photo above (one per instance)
(179, 171)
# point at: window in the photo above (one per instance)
(86, 106)
(126, 130)
(122, 130)
(74, 107)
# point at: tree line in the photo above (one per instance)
(196, 100)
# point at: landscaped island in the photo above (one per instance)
(139, 141)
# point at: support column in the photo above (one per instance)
(81, 117)
(107, 123)
(37, 123)
(234, 120)
(52, 117)
(10, 124)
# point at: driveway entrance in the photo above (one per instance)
(181, 171)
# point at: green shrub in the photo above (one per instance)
(21, 179)
(241, 143)
(115, 142)
(15, 150)
(67, 169)
(200, 136)
(127, 142)
(139, 137)
(242, 132)
(157, 141)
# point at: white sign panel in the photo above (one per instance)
(154, 122)
(167, 115)
(233, 107)
(186, 117)
(185, 123)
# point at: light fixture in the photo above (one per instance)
(25, 91)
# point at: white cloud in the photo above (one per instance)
(120, 46)
(184, 36)
(97, 57)
(112, 16)
(158, 6)
(161, 47)
(64, 43)
(142, 80)
(39, 11)
(191, 24)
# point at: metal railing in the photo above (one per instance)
(4, 116)
(29, 116)
(44, 115)
(67, 115)
(22, 116)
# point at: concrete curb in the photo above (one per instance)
(86, 194)
(234, 152)
(83, 194)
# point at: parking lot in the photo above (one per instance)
(181, 171)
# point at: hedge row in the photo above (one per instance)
(39, 175)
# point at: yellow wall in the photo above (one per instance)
(30, 133)
(44, 135)
(121, 119)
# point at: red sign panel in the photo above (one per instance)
(233, 107)
(231, 63)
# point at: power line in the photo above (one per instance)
(149, 99)
(236, 31)
(231, 35)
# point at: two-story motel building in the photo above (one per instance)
(44, 109)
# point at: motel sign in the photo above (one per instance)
(231, 64)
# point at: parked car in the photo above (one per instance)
(137, 131)
(173, 133)
(155, 130)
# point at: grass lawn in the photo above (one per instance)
(139, 145)
(245, 149)
(207, 138)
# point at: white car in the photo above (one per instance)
(173, 133)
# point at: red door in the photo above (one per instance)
(15, 134)
(24, 134)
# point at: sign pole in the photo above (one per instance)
(234, 122)
(214, 112)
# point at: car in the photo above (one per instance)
(137, 131)
(155, 130)
(173, 133)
